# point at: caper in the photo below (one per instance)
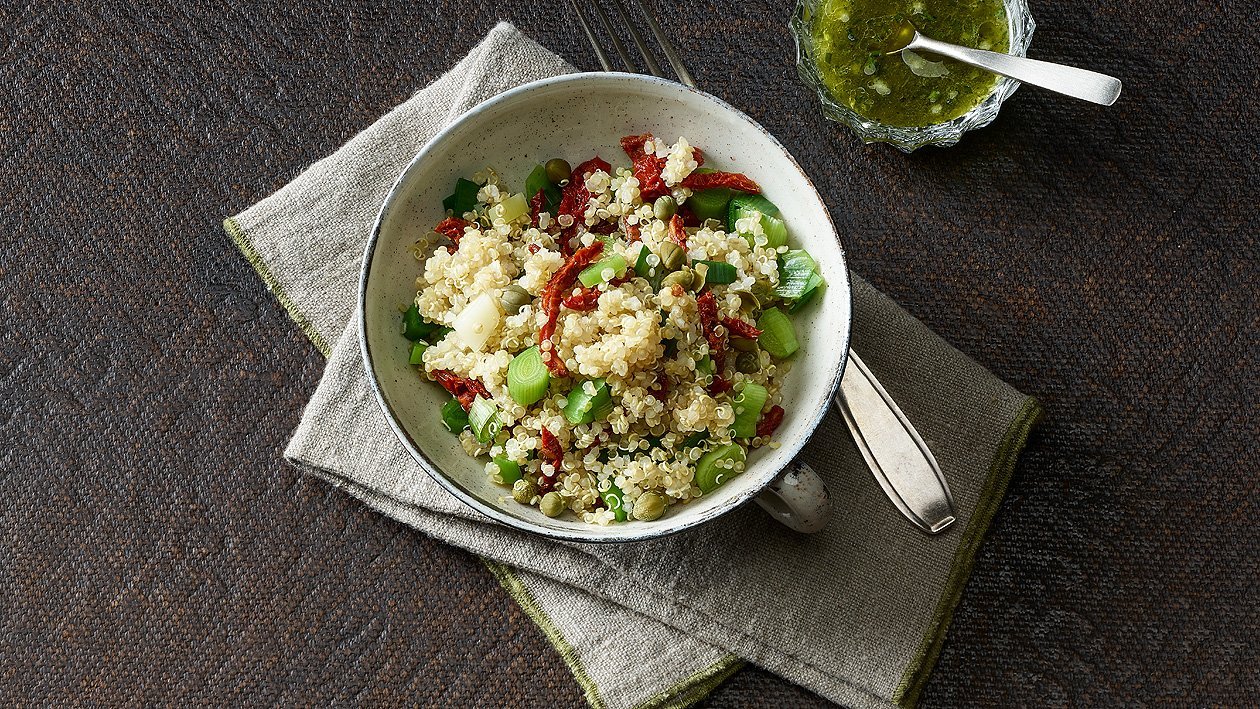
(558, 171)
(551, 504)
(742, 345)
(664, 207)
(672, 255)
(682, 278)
(649, 506)
(514, 298)
(524, 491)
(748, 302)
(748, 362)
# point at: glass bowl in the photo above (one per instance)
(1020, 26)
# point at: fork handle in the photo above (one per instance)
(896, 455)
(1069, 80)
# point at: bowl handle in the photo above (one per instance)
(797, 498)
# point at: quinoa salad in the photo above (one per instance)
(613, 339)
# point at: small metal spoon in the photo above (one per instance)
(1078, 83)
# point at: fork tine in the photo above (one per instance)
(648, 58)
(612, 35)
(671, 54)
(590, 36)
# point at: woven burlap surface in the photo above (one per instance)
(155, 548)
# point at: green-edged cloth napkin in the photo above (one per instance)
(856, 613)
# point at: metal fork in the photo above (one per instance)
(897, 456)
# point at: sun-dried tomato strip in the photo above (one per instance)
(689, 217)
(646, 167)
(740, 328)
(677, 232)
(770, 422)
(697, 156)
(574, 198)
(549, 452)
(561, 284)
(720, 385)
(452, 228)
(660, 390)
(633, 233)
(706, 304)
(583, 300)
(462, 388)
(536, 207)
(710, 180)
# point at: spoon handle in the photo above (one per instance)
(1078, 83)
(893, 449)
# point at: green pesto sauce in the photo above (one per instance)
(882, 87)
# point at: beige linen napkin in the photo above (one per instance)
(856, 613)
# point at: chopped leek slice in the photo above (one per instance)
(453, 416)
(704, 365)
(536, 182)
(599, 271)
(508, 470)
(527, 377)
(417, 352)
(710, 204)
(718, 273)
(694, 439)
(815, 286)
(412, 326)
(616, 501)
(795, 269)
(748, 402)
(585, 406)
(514, 207)
(744, 205)
(719, 465)
(464, 198)
(483, 417)
(644, 268)
(777, 334)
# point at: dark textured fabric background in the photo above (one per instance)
(156, 549)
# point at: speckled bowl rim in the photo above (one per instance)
(637, 531)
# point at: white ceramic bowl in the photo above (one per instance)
(574, 117)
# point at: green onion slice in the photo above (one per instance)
(712, 470)
(718, 273)
(483, 417)
(748, 402)
(594, 273)
(453, 416)
(778, 337)
(508, 470)
(527, 377)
